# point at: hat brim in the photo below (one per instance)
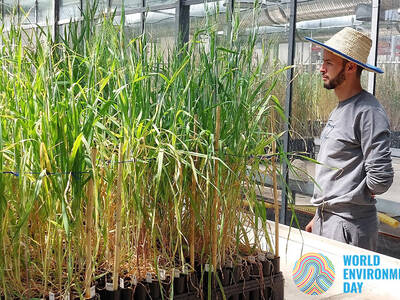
(368, 67)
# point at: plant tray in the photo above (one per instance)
(259, 280)
(252, 279)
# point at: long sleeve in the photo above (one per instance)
(375, 145)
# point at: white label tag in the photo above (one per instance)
(134, 280)
(148, 278)
(109, 286)
(207, 267)
(52, 296)
(92, 291)
(176, 273)
(229, 264)
(252, 259)
(261, 256)
(185, 270)
(121, 283)
(162, 274)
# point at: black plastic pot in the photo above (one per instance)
(256, 269)
(245, 296)
(267, 292)
(255, 294)
(180, 285)
(101, 292)
(113, 295)
(101, 286)
(140, 292)
(154, 288)
(237, 274)
(127, 290)
(266, 267)
(127, 294)
(276, 265)
(192, 282)
(277, 286)
(224, 276)
(209, 280)
(246, 271)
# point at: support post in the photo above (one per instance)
(143, 16)
(373, 56)
(56, 18)
(36, 11)
(288, 108)
(18, 13)
(182, 21)
(230, 10)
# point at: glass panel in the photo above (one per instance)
(9, 10)
(27, 11)
(197, 19)
(28, 38)
(45, 11)
(102, 5)
(387, 84)
(160, 28)
(150, 3)
(70, 9)
(129, 4)
(133, 25)
(268, 24)
(204, 15)
(388, 91)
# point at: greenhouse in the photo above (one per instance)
(159, 149)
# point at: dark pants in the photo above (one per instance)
(362, 232)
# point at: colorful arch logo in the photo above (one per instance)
(313, 273)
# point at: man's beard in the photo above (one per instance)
(338, 80)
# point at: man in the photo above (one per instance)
(354, 153)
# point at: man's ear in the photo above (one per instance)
(351, 67)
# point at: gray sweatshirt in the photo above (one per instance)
(355, 158)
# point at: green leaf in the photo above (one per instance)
(75, 148)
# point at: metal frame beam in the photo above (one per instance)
(18, 12)
(230, 5)
(193, 2)
(36, 11)
(2, 10)
(56, 18)
(143, 16)
(373, 57)
(182, 20)
(288, 108)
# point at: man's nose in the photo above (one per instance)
(322, 69)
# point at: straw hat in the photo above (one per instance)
(352, 45)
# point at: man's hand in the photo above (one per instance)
(310, 225)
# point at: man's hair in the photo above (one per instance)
(359, 70)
